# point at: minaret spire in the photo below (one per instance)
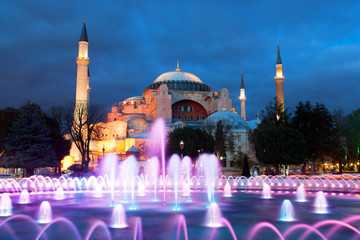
(278, 58)
(177, 66)
(242, 97)
(83, 36)
(279, 80)
(83, 73)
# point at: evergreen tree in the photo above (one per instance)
(353, 134)
(280, 145)
(318, 127)
(28, 142)
(219, 139)
(196, 141)
(7, 116)
(246, 167)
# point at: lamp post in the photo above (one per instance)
(182, 147)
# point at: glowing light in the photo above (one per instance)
(67, 162)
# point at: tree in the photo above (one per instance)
(223, 137)
(84, 126)
(196, 141)
(7, 116)
(246, 168)
(274, 115)
(28, 142)
(353, 134)
(278, 145)
(220, 143)
(318, 127)
(55, 120)
(273, 134)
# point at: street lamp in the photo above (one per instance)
(182, 147)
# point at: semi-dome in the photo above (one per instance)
(228, 118)
(177, 76)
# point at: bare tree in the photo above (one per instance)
(84, 126)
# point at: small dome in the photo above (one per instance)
(133, 149)
(177, 76)
(254, 123)
(229, 118)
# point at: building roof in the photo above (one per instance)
(133, 149)
(254, 123)
(143, 134)
(133, 117)
(177, 76)
(135, 98)
(228, 118)
(83, 36)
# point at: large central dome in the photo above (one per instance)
(179, 81)
(177, 75)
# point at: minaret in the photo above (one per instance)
(83, 74)
(279, 79)
(242, 97)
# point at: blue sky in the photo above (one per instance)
(132, 42)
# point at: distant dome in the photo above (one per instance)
(135, 98)
(143, 134)
(177, 76)
(254, 123)
(229, 118)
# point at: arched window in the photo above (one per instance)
(137, 126)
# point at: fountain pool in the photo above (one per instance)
(246, 215)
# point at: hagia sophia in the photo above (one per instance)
(180, 98)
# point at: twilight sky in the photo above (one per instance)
(132, 42)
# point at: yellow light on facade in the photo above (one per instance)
(67, 162)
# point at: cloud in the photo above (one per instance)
(136, 41)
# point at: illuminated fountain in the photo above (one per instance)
(24, 197)
(266, 191)
(45, 214)
(186, 183)
(287, 211)
(5, 205)
(227, 190)
(211, 171)
(90, 207)
(118, 219)
(213, 216)
(174, 174)
(59, 194)
(320, 203)
(301, 194)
